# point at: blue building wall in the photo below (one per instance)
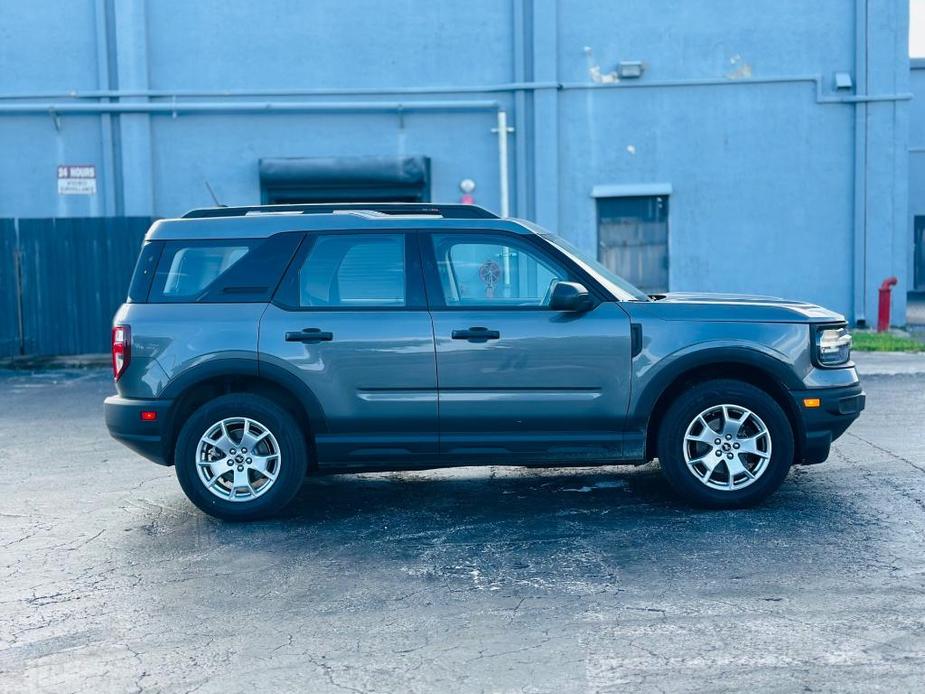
(917, 165)
(779, 183)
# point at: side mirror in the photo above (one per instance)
(570, 296)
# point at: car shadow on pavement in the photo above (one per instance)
(495, 504)
(491, 529)
(499, 493)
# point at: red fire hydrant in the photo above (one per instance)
(883, 309)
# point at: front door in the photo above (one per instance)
(518, 380)
(350, 321)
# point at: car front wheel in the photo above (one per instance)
(240, 457)
(725, 443)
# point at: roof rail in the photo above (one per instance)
(450, 211)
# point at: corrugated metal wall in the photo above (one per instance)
(9, 314)
(73, 275)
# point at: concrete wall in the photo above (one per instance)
(780, 184)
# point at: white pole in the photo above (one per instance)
(503, 131)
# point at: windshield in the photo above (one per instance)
(618, 286)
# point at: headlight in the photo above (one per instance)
(833, 346)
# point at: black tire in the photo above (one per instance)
(697, 399)
(278, 421)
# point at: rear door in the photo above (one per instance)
(518, 380)
(350, 321)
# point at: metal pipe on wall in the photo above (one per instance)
(101, 108)
(174, 107)
(107, 127)
(352, 91)
(860, 166)
(488, 88)
(247, 107)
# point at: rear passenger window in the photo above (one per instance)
(226, 271)
(353, 270)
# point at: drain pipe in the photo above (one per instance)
(859, 258)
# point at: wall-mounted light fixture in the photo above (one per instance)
(843, 80)
(630, 69)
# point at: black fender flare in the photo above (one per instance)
(249, 368)
(775, 368)
(205, 371)
(295, 385)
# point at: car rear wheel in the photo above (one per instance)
(725, 443)
(240, 457)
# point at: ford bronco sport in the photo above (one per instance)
(261, 344)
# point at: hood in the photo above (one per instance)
(746, 307)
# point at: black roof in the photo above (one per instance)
(447, 211)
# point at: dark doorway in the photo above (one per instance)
(919, 270)
(632, 234)
(292, 180)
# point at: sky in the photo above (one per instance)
(917, 28)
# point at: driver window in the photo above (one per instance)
(488, 270)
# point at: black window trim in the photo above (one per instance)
(415, 293)
(434, 287)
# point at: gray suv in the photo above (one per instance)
(262, 344)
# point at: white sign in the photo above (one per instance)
(76, 179)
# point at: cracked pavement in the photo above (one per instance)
(475, 579)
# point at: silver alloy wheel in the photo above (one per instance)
(727, 447)
(238, 459)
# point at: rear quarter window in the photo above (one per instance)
(144, 271)
(222, 271)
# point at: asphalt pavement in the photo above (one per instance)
(476, 579)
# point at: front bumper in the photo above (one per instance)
(123, 419)
(819, 426)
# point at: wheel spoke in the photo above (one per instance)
(750, 445)
(706, 435)
(226, 435)
(734, 467)
(223, 442)
(261, 465)
(732, 425)
(214, 481)
(240, 478)
(250, 441)
(709, 461)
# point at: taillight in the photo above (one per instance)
(121, 349)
